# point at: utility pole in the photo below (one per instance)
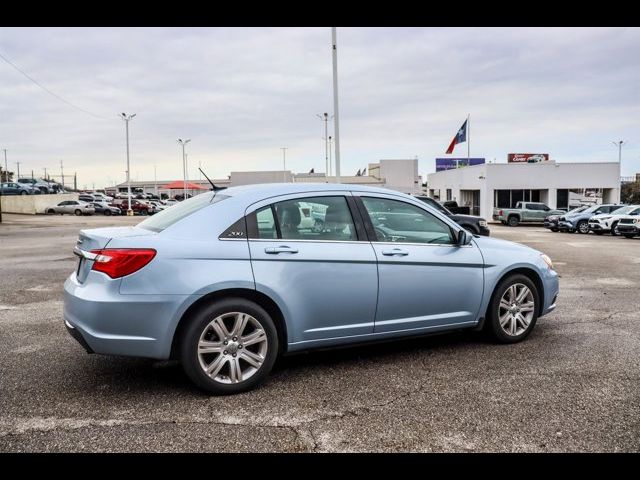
(336, 111)
(126, 119)
(325, 118)
(45, 173)
(184, 166)
(619, 144)
(284, 163)
(62, 173)
(330, 160)
(6, 168)
(18, 167)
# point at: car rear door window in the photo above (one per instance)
(315, 218)
(309, 218)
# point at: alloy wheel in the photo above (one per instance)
(232, 347)
(516, 309)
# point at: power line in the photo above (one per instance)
(49, 91)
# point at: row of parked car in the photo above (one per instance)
(30, 186)
(616, 219)
(96, 202)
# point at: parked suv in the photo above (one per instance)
(38, 183)
(608, 222)
(551, 221)
(580, 221)
(12, 188)
(524, 212)
(475, 225)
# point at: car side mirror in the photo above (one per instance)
(464, 238)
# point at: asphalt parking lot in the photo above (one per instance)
(573, 385)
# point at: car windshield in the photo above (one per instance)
(592, 209)
(624, 210)
(579, 209)
(166, 218)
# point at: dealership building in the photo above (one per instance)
(487, 186)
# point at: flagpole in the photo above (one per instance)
(468, 139)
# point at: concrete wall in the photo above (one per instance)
(547, 176)
(32, 204)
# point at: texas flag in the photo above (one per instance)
(460, 137)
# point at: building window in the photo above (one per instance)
(448, 194)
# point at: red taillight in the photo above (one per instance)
(118, 262)
(500, 213)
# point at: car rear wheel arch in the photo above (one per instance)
(531, 275)
(259, 298)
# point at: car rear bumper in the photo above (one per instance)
(106, 322)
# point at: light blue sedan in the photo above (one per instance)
(227, 281)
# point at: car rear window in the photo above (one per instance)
(177, 212)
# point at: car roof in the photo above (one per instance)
(256, 192)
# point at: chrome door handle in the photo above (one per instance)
(395, 251)
(280, 249)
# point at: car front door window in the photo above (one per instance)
(397, 221)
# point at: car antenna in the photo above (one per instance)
(213, 186)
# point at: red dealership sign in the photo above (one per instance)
(527, 157)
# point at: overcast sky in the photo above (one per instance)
(242, 93)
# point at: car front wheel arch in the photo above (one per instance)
(531, 275)
(264, 301)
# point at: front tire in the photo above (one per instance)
(582, 227)
(107, 213)
(555, 229)
(614, 230)
(78, 213)
(626, 235)
(229, 346)
(513, 310)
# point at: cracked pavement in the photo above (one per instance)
(573, 385)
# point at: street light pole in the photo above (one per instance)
(619, 144)
(335, 101)
(126, 119)
(330, 159)
(184, 166)
(325, 118)
(6, 168)
(284, 163)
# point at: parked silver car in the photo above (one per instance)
(75, 207)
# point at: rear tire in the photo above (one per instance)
(555, 229)
(626, 235)
(107, 213)
(244, 321)
(509, 318)
(51, 211)
(513, 221)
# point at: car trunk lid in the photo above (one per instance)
(98, 238)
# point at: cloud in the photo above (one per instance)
(242, 93)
